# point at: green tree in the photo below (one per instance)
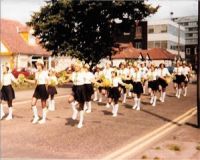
(85, 29)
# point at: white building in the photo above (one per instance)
(167, 34)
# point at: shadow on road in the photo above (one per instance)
(107, 112)
(161, 117)
(71, 122)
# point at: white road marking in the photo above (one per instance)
(137, 146)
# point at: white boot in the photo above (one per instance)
(89, 106)
(152, 98)
(44, 116)
(154, 101)
(95, 96)
(100, 98)
(116, 107)
(2, 114)
(138, 104)
(124, 98)
(163, 96)
(49, 105)
(85, 106)
(35, 114)
(53, 105)
(10, 111)
(179, 93)
(129, 94)
(108, 105)
(74, 110)
(135, 103)
(185, 92)
(80, 124)
(176, 92)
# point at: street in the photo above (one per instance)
(102, 134)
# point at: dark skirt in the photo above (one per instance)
(79, 93)
(153, 85)
(162, 83)
(137, 88)
(7, 93)
(123, 88)
(52, 90)
(114, 93)
(179, 79)
(41, 92)
(89, 91)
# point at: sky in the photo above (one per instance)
(22, 10)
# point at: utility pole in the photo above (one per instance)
(198, 69)
(179, 30)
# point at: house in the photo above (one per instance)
(18, 46)
(126, 52)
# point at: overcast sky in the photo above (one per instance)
(21, 10)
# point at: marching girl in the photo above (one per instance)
(89, 79)
(79, 93)
(107, 73)
(144, 70)
(41, 80)
(178, 79)
(162, 74)
(185, 73)
(2, 114)
(7, 92)
(153, 84)
(123, 73)
(137, 87)
(114, 93)
(129, 80)
(98, 90)
(52, 82)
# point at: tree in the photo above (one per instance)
(84, 29)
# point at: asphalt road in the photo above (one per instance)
(102, 134)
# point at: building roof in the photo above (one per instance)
(10, 36)
(159, 54)
(153, 54)
(126, 52)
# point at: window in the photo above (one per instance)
(138, 44)
(192, 23)
(188, 51)
(157, 44)
(150, 44)
(164, 44)
(151, 30)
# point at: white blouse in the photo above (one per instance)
(163, 72)
(89, 76)
(123, 72)
(7, 79)
(54, 79)
(78, 78)
(108, 73)
(41, 77)
(152, 75)
(185, 70)
(178, 70)
(116, 81)
(137, 76)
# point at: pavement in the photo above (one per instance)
(101, 135)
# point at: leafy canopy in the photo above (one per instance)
(85, 29)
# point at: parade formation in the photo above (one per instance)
(131, 79)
